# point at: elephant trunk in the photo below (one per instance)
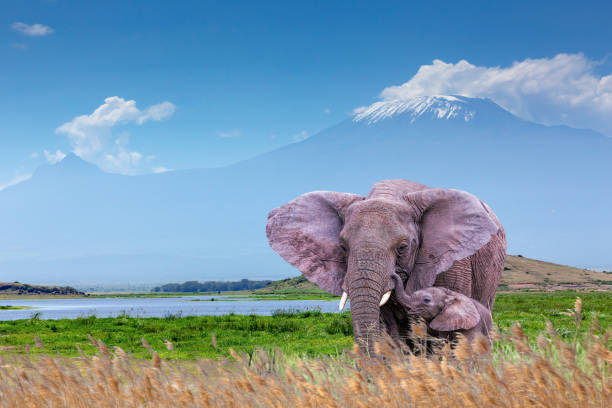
(365, 313)
(368, 273)
(400, 293)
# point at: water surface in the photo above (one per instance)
(156, 307)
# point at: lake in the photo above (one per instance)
(156, 307)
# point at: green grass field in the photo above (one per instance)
(307, 333)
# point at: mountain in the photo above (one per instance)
(549, 185)
(435, 107)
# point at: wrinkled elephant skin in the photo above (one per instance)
(351, 245)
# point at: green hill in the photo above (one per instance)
(299, 284)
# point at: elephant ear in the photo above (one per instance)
(305, 232)
(454, 225)
(459, 313)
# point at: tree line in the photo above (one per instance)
(212, 286)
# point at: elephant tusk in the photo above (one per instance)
(385, 298)
(343, 301)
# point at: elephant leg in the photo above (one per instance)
(389, 323)
(397, 322)
(458, 278)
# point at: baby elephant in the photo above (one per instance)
(448, 313)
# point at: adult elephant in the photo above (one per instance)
(350, 245)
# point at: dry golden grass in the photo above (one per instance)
(555, 374)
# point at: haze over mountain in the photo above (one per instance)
(73, 223)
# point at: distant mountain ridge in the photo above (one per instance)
(72, 223)
(70, 165)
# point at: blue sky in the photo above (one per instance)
(214, 83)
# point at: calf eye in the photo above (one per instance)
(402, 249)
(426, 300)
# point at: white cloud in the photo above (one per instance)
(34, 155)
(230, 135)
(20, 46)
(91, 137)
(53, 158)
(162, 169)
(564, 89)
(327, 111)
(303, 135)
(33, 30)
(16, 180)
(157, 112)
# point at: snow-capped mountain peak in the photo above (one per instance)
(435, 106)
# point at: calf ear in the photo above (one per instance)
(459, 313)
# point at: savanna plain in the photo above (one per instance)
(550, 349)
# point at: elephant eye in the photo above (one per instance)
(343, 247)
(427, 300)
(402, 249)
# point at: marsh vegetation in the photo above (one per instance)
(547, 369)
(309, 333)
